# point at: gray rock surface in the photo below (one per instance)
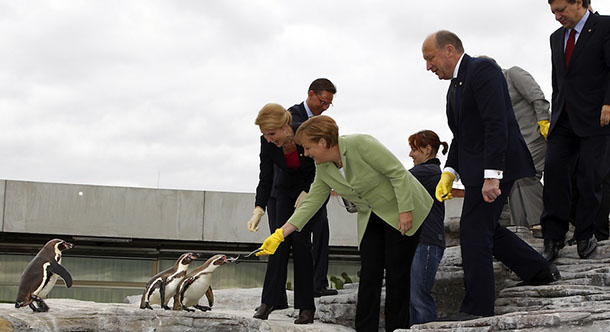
(579, 302)
(232, 311)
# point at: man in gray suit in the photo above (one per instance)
(532, 111)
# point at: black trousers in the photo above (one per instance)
(601, 220)
(481, 239)
(299, 243)
(586, 158)
(383, 247)
(273, 225)
(319, 252)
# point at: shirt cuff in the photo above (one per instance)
(493, 174)
(452, 171)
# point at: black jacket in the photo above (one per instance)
(275, 175)
(432, 231)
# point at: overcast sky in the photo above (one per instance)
(165, 93)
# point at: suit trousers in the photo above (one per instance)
(569, 155)
(481, 239)
(383, 247)
(320, 238)
(299, 243)
(601, 220)
(273, 225)
(525, 199)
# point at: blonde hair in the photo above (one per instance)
(273, 116)
(316, 128)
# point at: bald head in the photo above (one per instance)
(442, 51)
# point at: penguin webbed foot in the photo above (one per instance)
(187, 309)
(166, 307)
(145, 305)
(203, 308)
(41, 307)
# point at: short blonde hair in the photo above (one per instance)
(273, 116)
(316, 128)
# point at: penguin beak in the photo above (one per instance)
(18, 304)
(67, 245)
(198, 255)
(233, 259)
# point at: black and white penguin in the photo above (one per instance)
(41, 274)
(197, 283)
(164, 285)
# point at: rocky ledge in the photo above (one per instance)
(579, 302)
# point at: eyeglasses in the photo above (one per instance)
(323, 103)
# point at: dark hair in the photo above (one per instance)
(316, 128)
(585, 3)
(322, 84)
(423, 138)
(445, 37)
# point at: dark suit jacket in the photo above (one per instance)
(276, 176)
(299, 114)
(584, 86)
(485, 132)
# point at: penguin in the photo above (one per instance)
(197, 283)
(41, 274)
(164, 285)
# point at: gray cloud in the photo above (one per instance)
(164, 93)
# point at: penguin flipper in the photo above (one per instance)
(61, 271)
(210, 295)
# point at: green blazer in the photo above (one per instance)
(375, 180)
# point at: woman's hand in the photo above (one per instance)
(271, 243)
(274, 240)
(257, 214)
(405, 222)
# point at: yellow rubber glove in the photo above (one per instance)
(271, 243)
(257, 214)
(443, 188)
(300, 199)
(544, 127)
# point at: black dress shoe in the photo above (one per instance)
(263, 311)
(305, 316)
(544, 277)
(324, 292)
(460, 316)
(276, 307)
(586, 248)
(551, 249)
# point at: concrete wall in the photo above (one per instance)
(227, 214)
(2, 190)
(34, 207)
(121, 212)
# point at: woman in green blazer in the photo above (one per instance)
(391, 204)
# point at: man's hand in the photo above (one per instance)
(271, 243)
(405, 222)
(257, 214)
(491, 190)
(443, 188)
(605, 117)
(544, 127)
